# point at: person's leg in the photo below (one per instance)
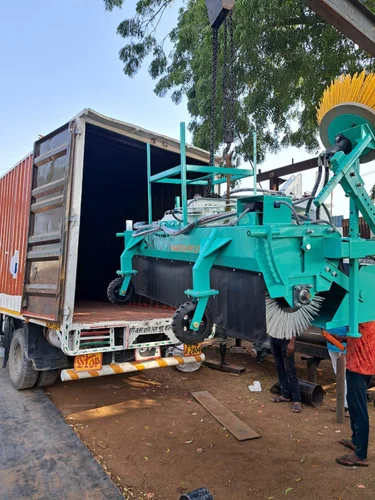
(351, 397)
(359, 419)
(291, 373)
(346, 388)
(362, 421)
(277, 352)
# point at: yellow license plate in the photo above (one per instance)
(85, 362)
(192, 350)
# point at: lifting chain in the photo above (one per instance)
(228, 92)
(215, 48)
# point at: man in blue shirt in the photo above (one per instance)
(335, 353)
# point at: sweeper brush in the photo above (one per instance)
(286, 322)
(346, 89)
(347, 103)
(242, 266)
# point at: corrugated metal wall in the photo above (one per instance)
(14, 217)
(337, 220)
(364, 229)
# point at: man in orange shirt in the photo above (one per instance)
(360, 367)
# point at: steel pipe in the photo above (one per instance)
(311, 394)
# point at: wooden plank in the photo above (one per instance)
(235, 426)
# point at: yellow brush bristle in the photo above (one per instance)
(358, 88)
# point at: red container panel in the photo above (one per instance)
(15, 188)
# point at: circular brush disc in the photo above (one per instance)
(343, 117)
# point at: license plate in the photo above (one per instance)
(192, 350)
(85, 362)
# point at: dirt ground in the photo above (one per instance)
(156, 441)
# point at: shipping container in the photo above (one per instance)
(60, 210)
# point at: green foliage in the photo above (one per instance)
(285, 57)
(372, 193)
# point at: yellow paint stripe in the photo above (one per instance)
(10, 311)
(180, 360)
(161, 362)
(93, 373)
(137, 365)
(116, 368)
(73, 375)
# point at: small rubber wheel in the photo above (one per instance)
(21, 371)
(181, 324)
(47, 377)
(113, 292)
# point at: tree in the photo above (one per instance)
(285, 56)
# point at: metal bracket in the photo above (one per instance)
(347, 172)
(127, 261)
(218, 10)
(201, 275)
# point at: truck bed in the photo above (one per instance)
(94, 312)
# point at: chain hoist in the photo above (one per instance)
(220, 14)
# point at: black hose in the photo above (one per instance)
(294, 211)
(267, 191)
(175, 216)
(324, 222)
(325, 182)
(316, 186)
(302, 200)
(327, 212)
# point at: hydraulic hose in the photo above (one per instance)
(142, 229)
(324, 222)
(302, 200)
(294, 211)
(325, 182)
(316, 186)
(244, 190)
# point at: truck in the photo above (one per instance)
(60, 209)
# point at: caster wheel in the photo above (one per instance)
(181, 324)
(113, 292)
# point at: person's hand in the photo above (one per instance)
(291, 348)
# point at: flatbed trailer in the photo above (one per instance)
(60, 209)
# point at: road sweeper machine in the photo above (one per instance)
(245, 266)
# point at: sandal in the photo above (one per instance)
(297, 407)
(347, 414)
(347, 461)
(280, 399)
(348, 444)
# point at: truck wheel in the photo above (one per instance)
(113, 292)
(181, 324)
(21, 371)
(47, 377)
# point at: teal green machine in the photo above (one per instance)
(294, 263)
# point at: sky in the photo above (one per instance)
(59, 57)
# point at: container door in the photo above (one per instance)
(49, 222)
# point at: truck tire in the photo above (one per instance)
(46, 378)
(21, 371)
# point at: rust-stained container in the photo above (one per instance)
(15, 188)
